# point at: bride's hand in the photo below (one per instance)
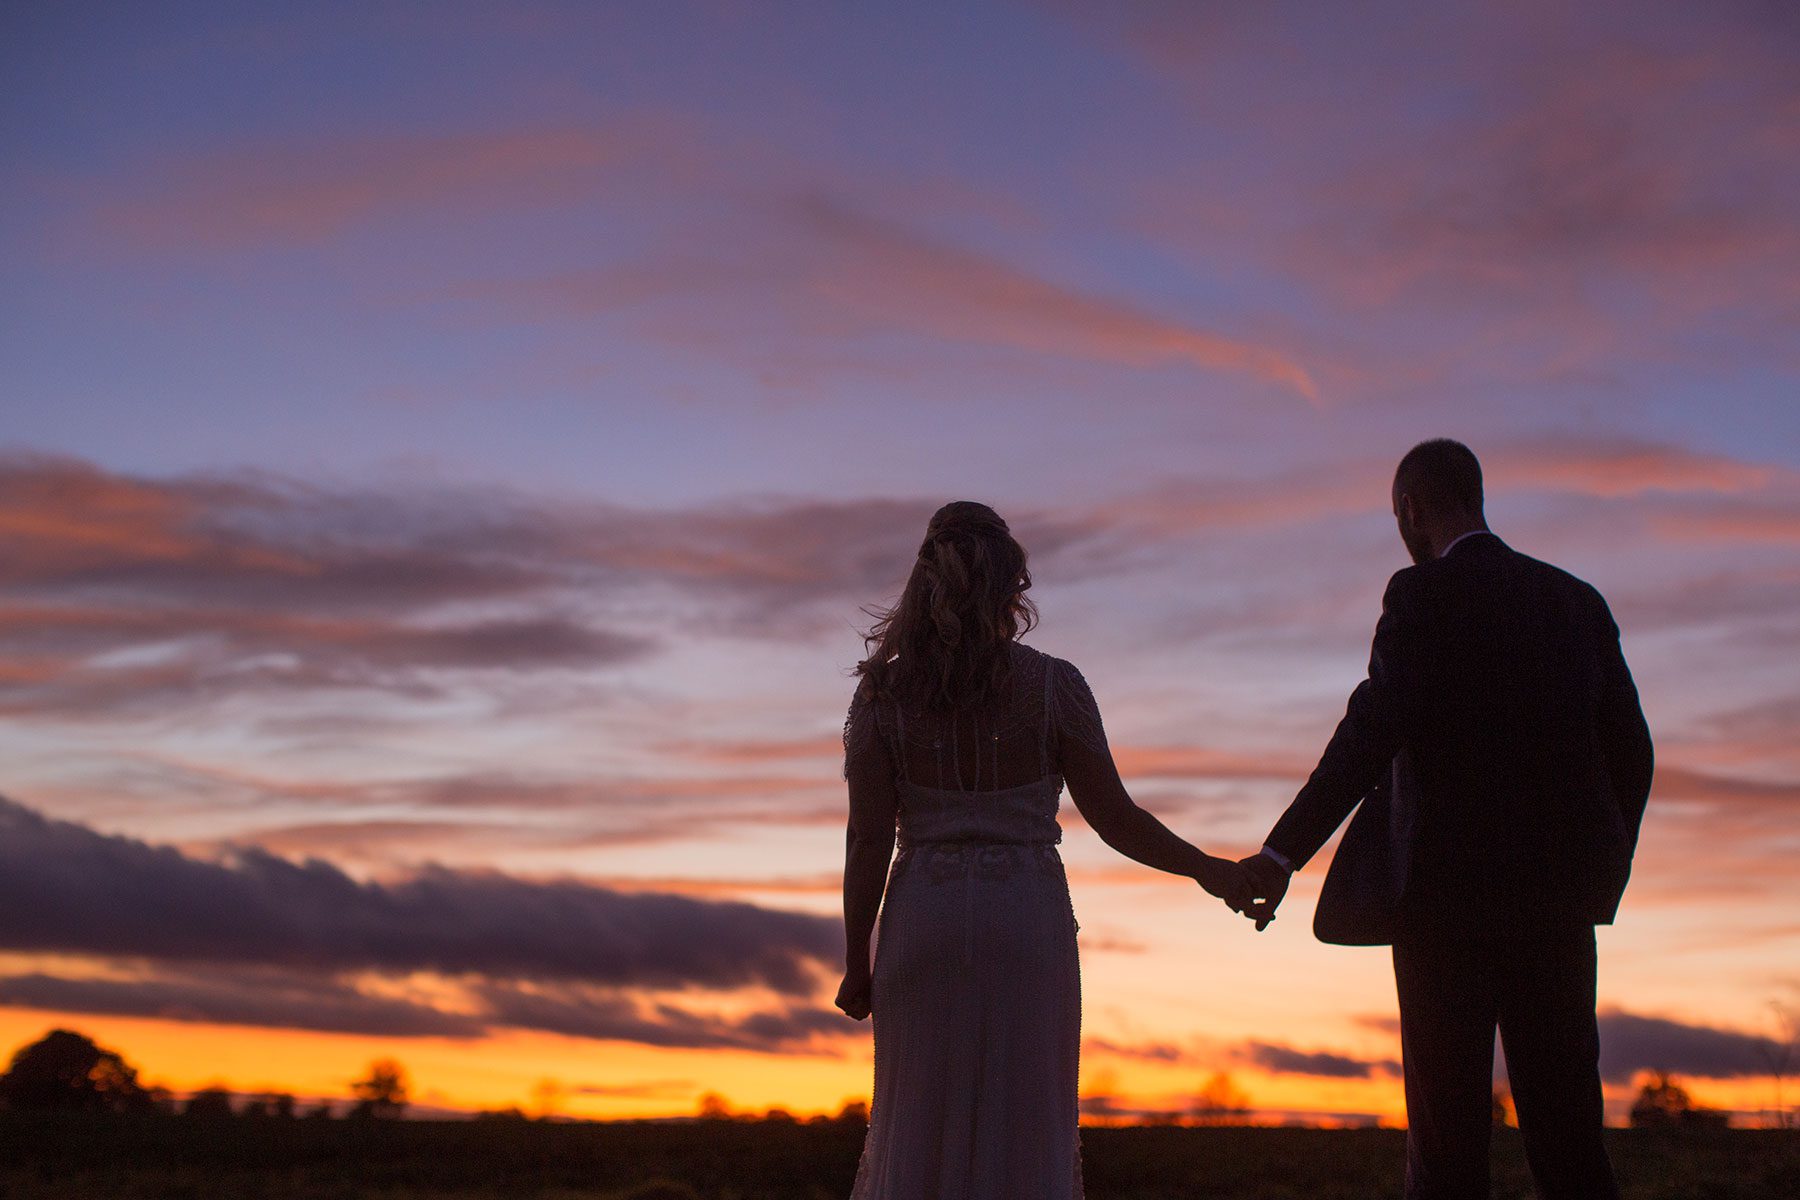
(1227, 880)
(853, 995)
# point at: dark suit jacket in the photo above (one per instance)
(1500, 705)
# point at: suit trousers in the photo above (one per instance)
(1535, 982)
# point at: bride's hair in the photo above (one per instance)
(943, 645)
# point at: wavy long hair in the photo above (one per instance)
(943, 645)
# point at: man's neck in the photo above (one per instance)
(1449, 540)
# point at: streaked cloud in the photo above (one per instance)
(1631, 1043)
(270, 999)
(819, 270)
(465, 1009)
(896, 276)
(1285, 1060)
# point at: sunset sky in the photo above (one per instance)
(444, 449)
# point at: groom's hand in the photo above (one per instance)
(1270, 883)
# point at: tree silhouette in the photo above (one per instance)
(383, 1093)
(1778, 1054)
(1221, 1102)
(66, 1070)
(160, 1099)
(209, 1103)
(271, 1105)
(1663, 1103)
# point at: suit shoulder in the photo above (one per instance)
(1580, 595)
(1565, 579)
(1406, 583)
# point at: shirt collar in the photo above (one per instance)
(1465, 537)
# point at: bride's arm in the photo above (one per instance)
(868, 847)
(1087, 767)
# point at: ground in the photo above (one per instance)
(169, 1158)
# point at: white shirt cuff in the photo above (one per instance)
(1278, 858)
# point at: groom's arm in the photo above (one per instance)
(1373, 728)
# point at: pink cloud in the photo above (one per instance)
(1622, 467)
(826, 270)
(892, 274)
(1598, 467)
(308, 191)
(1592, 167)
(1765, 523)
(1202, 762)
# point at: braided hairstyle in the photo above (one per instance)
(943, 645)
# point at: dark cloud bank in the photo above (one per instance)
(258, 939)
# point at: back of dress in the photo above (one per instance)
(976, 993)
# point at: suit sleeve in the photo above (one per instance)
(1624, 734)
(1369, 735)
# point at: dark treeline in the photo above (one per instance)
(66, 1071)
(76, 1122)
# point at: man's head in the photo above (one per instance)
(1437, 496)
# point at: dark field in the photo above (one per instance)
(125, 1158)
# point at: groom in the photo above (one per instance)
(1501, 708)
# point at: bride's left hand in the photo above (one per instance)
(1227, 880)
(853, 995)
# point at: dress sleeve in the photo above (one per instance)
(865, 750)
(1074, 713)
(869, 772)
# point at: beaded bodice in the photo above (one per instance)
(988, 775)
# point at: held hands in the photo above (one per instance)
(1228, 881)
(1269, 884)
(853, 994)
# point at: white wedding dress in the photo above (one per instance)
(976, 993)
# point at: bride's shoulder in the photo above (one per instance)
(1042, 661)
(1024, 655)
(865, 695)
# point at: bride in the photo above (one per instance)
(960, 738)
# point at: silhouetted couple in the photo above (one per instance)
(1498, 763)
